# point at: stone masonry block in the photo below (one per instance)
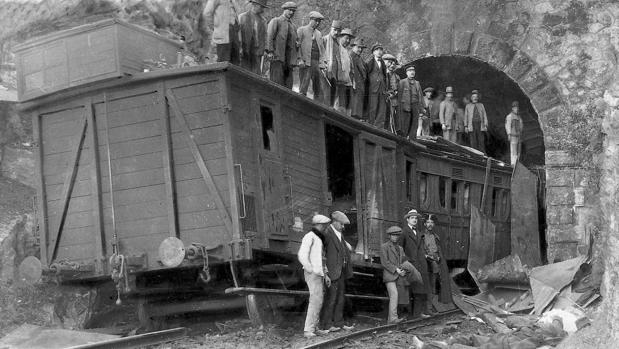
(582, 177)
(520, 65)
(561, 232)
(558, 158)
(533, 80)
(493, 51)
(462, 42)
(441, 39)
(421, 44)
(545, 98)
(559, 177)
(550, 117)
(559, 196)
(559, 215)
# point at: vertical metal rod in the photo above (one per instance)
(109, 169)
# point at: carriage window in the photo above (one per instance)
(454, 195)
(268, 130)
(467, 196)
(423, 187)
(442, 190)
(504, 203)
(409, 181)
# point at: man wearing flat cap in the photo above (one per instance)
(410, 99)
(513, 127)
(311, 52)
(413, 244)
(222, 16)
(476, 122)
(282, 45)
(311, 257)
(447, 115)
(253, 36)
(344, 73)
(360, 75)
(431, 106)
(339, 267)
(393, 79)
(392, 258)
(332, 61)
(377, 87)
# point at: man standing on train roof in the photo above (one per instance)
(339, 269)
(282, 45)
(333, 61)
(431, 106)
(360, 75)
(513, 127)
(311, 257)
(413, 245)
(392, 123)
(253, 35)
(222, 16)
(311, 51)
(410, 97)
(476, 122)
(447, 115)
(344, 73)
(437, 265)
(377, 87)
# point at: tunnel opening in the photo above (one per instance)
(497, 92)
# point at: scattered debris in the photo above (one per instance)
(548, 280)
(36, 337)
(508, 270)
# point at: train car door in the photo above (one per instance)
(377, 199)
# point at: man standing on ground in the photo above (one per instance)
(476, 122)
(337, 252)
(311, 257)
(513, 127)
(437, 265)
(447, 115)
(360, 76)
(311, 54)
(413, 244)
(392, 257)
(222, 16)
(409, 94)
(393, 124)
(253, 36)
(282, 45)
(377, 87)
(333, 61)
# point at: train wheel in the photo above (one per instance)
(261, 310)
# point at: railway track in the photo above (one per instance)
(410, 324)
(137, 341)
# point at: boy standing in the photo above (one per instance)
(392, 257)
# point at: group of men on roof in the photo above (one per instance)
(414, 270)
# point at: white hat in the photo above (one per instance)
(320, 219)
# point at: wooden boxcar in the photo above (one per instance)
(234, 166)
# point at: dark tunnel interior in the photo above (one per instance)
(497, 90)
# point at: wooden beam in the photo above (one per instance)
(484, 194)
(42, 197)
(167, 161)
(273, 291)
(68, 186)
(95, 185)
(206, 175)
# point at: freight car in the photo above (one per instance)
(194, 180)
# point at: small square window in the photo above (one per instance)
(268, 129)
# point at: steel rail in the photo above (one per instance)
(136, 341)
(420, 322)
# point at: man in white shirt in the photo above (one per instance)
(311, 257)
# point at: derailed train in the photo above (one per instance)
(196, 180)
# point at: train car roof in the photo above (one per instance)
(432, 146)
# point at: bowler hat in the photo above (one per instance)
(376, 46)
(316, 15)
(394, 230)
(411, 213)
(289, 5)
(449, 89)
(347, 31)
(336, 24)
(340, 217)
(410, 67)
(320, 219)
(359, 42)
(428, 89)
(515, 104)
(262, 3)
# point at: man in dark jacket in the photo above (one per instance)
(360, 76)
(377, 87)
(282, 45)
(332, 57)
(339, 269)
(311, 53)
(413, 245)
(410, 97)
(253, 35)
(437, 266)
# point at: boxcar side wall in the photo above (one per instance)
(169, 147)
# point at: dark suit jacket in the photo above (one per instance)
(377, 77)
(336, 253)
(278, 31)
(360, 77)
(405, 94)
(391, 257)
(253, 33)
(415, 252)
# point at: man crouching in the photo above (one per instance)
(311, 257)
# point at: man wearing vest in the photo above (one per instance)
(476, 122)
(311, 51)
(282, 45)
(311, 257)
(253, 36)
(409, 94)
(339, 269)
(513, 127)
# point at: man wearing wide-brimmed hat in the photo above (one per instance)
(360, 75)
(447, 115)
(282, 45)
(413, 245)
(311, 52)
(377, 87)
(476, 122)
(253, 35)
